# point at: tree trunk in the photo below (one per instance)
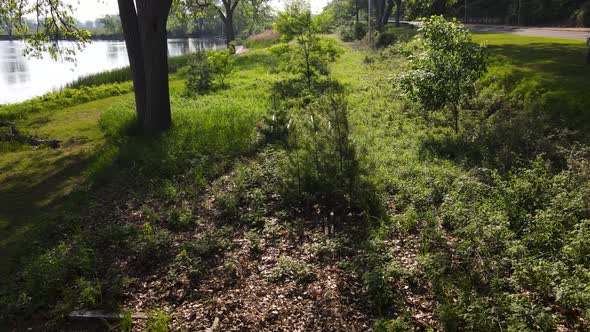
(228, 19)
(398, 12)
(152, 18)
(130, 26)
(380, 9)
(357, 10)
(386, 12)
(229, 28)
(456, 118)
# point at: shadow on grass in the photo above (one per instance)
(28, 205)
(560, 69)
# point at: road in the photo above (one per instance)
(567, 33)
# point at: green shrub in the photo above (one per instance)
(353, 31)
(448, 65)
(209, 69)
(200, 76)
(386, 38)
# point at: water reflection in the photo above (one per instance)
(114, 51)
(23, 78)
(13, 65)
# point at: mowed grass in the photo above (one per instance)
(42, 189)
(542, 70)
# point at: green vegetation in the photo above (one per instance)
(311, 186)
(122, 74)
(62, 99)
(208, 70)
(444, 65)
(107, 77)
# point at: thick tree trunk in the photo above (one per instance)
(398, 12)
(229, 28)
(130, 26)
(152, 18)
(228, 19)
(380, 9)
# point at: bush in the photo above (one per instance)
(208, 70)
(386, 38)
(446, 68)
(353, 31)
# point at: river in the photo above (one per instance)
(22, 78)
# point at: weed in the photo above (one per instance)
(126, 322)
(157, 321)
(290, 269)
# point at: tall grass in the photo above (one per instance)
(122, 74)
(107, 77)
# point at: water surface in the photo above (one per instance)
(22, 78)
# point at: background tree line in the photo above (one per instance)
(517, 12)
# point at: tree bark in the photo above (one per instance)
(130, 26)
(152, 18)
(398, 12)
(380, 9)
(456, 118)
(228, 19)
(388, 8)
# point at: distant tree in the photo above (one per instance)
(444, 67)
(225, 9)
(112, 24)
(256, 15)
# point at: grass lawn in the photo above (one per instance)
(538, 68)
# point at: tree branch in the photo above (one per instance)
(14, 135)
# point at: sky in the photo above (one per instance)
(93, 9)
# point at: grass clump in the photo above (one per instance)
(119, 75)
